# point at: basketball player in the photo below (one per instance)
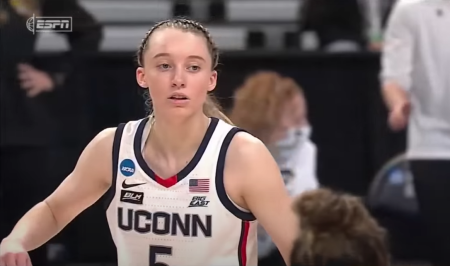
(185, 187)
(337, 230)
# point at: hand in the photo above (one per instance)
(398, 118)
(34, 81)
(375, 46)
(12, 253)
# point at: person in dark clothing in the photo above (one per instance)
(30, 100)
(333, 21)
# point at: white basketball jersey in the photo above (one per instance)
(187, 219)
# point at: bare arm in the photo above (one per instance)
(394, 95)
(90, 179)
(397, 58)
(263, 190)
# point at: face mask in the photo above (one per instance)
(292, 142)
(294, 137)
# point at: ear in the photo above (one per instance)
(212, 81)
(140, 77)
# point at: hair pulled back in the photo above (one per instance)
(211, 107)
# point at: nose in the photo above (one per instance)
(178, 80)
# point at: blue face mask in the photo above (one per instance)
(294, 139)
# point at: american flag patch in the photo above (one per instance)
(199, 185)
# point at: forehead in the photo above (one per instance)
(177, 42)
(298, 99)
(295, 105)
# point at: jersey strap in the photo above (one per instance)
(220, 186)
(115, 164)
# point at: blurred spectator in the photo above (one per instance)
(376, 13)
(338, 24)
(273, 109)
(34, 103)
(416, 87)
(336, 229)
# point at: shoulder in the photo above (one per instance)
(248, 159)
(405, 3)
(104, 139)
(402, 17)
(403, 7)
(101, 146)
(96, 159)
(245, 148)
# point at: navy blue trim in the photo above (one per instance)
(115, 165)
(189, 167)
(220, 185)
(241, 240)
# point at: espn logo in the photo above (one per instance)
(46, 24)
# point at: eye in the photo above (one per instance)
(164, 66)
(194, 68)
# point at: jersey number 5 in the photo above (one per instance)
(159, 250)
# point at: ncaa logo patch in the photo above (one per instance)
(127, 167)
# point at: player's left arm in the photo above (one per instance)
(263, 191)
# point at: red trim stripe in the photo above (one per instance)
(243, 243)
(167, 183)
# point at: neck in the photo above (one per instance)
(169, 137)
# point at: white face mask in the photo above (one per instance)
(292, 142)
(294, 137)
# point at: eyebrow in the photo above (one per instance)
(191, 56)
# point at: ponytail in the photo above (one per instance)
(212, 108)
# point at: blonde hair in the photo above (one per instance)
(211, 107)
(259, 103)
(336, 229)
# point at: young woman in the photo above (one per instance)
(185, 187)
(337, 230)
(273, 109)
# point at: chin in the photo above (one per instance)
(181, 111)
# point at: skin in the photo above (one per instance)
(294, 115)
(398, 104)
(34, 81)
(252, 178)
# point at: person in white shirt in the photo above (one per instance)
(273, 109)
(416, 88)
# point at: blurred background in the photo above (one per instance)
(84, 81)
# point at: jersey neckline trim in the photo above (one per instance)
(187, 169)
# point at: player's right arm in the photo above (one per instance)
(397, 64)
(90, 179)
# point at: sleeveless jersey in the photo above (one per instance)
(187, 219)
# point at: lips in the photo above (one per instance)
(178, 96)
